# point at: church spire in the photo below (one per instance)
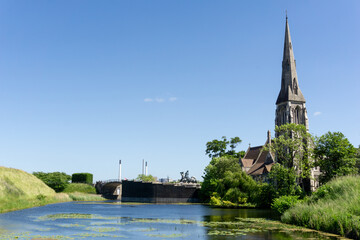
(290, 104)
(290, 90)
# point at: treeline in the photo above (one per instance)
(60, 182)
(287, 186)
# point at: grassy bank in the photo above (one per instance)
(20, 190)
(333, 208)
(79, 187)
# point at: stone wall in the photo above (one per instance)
(134, 191)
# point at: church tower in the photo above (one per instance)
(290, 104)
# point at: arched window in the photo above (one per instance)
(297, 115)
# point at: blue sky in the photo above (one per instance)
(86, 83)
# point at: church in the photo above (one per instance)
(290, 108)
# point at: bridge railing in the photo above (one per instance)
(110, 180)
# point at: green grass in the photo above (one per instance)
(76, 196)
(17, 183)
(20, 190)
(334, 208)
(17, 203)
(79, 187)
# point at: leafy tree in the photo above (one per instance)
(225, 180)
(335, 156)
(56, 180)
(283, 181)
(357, 156)
(293, 151)
(218, 148)
(146, 178)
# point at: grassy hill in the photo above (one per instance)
(334, 207)
(19, 190)
(17, 183)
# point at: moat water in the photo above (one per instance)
(113, 220)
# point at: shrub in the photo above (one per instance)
(235, 195)
(264, 195)
(82, 178)
(283, 203)
(215, 201)
(40, 197)
(56, 180)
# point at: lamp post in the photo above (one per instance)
(119, 170)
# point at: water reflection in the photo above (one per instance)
(144, 221)
(221, 214)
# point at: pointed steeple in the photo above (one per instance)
(290, 90)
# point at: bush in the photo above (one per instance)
(56, 180)
(283, 203)
(215, 201)
(264, 195)
(235, 195)
(82, 178)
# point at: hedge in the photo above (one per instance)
(82, 178)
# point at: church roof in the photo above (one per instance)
(247, 163)
(253, 152)
(290, 90)
(257, 160)
(259, 164)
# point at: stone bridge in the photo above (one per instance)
(110, 189)
(151, 192)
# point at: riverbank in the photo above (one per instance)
(20, 190)
(333, 208)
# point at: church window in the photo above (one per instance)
(297, 115)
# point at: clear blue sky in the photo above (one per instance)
(86, 83)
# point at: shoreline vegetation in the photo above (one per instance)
(21, 190)
(333, 208)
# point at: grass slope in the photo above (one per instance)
(334, 208)
(79, 187)
(16, 183)
(19, 190)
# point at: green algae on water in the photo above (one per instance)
(174, 235)
(102, 229)
(66, 216)
(93, 235)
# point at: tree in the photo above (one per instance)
(146, 178)
(218, 148)
(283, 181)
(225, 179)
(293, 151)
(56, 180)
(335, 156)
(357, 156)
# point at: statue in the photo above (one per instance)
(186, 179)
